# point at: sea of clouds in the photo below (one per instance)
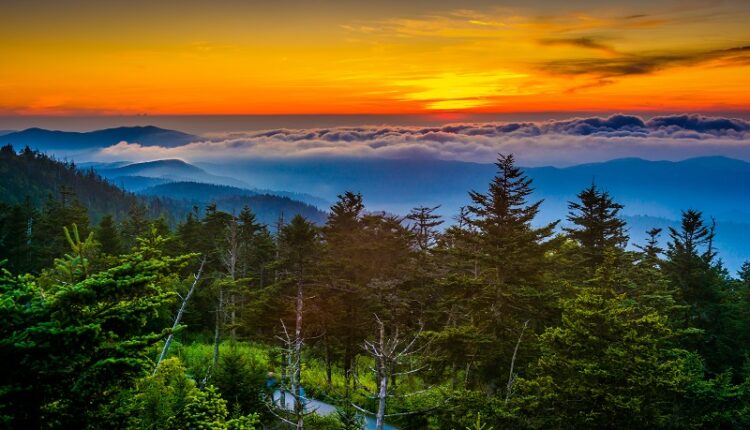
(561, 142)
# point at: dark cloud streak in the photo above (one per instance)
(642, 64)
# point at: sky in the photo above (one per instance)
(286, 57)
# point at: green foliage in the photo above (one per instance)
(318, 422)
(610, 362)
(156, 399)
(524, 329)
(240, 378)
(109, 236)
(74, 345)
(204, 409)
(596, 225)
(479, 425)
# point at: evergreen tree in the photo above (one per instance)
(345, 273)
(610, 364)
(511, 261)
(136, 224)
(700, 284)
(512, 250)
(75, 344)
(596, 225)
(651, 251)
(48, 237)
(108, 236)
(425, 221)
(17, 245)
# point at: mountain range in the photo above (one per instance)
(653, 192)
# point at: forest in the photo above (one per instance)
(486, 321)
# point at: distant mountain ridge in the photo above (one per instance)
(718, 186)
(169, 170)
(266, 207)
(52, 140)
(715, 185)
(138, 177)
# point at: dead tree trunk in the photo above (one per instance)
(512, 376)
(293, 350)
(388, 353)
(217, 336)
(230, 263)
(178, 317)
(299, 407)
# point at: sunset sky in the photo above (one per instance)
(329, 57)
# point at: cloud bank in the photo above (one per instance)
(535, 143)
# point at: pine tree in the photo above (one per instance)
(343, 266)
(511, 249)
(74, 344)
(425, 221)
(511, 262)
(609, 364)
(651, 251)
(596, 225)
(108, 236)
(689, 262)
(701, 286)
(136, 225)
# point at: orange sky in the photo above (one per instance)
(294, 57)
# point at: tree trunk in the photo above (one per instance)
(329, 363)
(178, 318)
(299, 406)
(382, 372)
(217, 336)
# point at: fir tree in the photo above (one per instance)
(136, 224)
(425, 221)
(596, 224)
(511, 249)
(108, 236)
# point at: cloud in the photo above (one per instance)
(644, 63)
(581, 42)
(552, 142)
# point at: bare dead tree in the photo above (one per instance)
(512, 375)
(230, 258)
(178, 317)
(389, 352)
(219, 320)
(292, 353)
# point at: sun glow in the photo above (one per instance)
(243, 61)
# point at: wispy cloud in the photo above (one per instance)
(645, 63)
(581, 42)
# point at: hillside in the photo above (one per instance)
(34, 176)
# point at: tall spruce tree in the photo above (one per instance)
(700, 283)
(596, 225)
(424, 224)
(135, 225)
(511, 249)
(510, 254)
(344, 270)
(108, 236)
